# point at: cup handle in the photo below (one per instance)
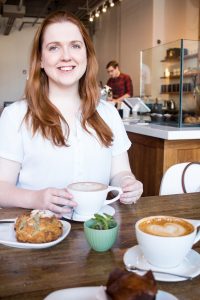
(196, 224)
(197, 238)
(113, 188)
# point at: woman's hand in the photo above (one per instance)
(54, 200)
(132, 189)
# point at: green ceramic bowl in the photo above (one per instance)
(100, 240)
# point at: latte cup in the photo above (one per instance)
(165, 241)
(91, 196)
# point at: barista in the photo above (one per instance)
(120, 83)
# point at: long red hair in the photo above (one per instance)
(42, 115)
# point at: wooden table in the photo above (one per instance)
(33, 274)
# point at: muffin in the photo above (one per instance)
(39, 226)
(131, 286)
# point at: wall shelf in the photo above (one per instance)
(176, 93)
(178, 76)
(178, 58)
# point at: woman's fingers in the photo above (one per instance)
(63, 193)
(58, 210)
(132, 191)
(63, 201)
(59, 201)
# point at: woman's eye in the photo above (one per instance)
(53, 48)
(76, 46)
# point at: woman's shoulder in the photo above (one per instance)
(14, 113)
(17, 108)
(109, 113)
(106, 107)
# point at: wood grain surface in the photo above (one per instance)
(33, 274)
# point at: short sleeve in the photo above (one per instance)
(121, 142)
(11, 146)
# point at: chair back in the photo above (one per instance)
(181, 178)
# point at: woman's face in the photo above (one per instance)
(64, 56)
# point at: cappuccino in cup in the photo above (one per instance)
(166, 240)
(168, 227)
(87, 186)
(91, 196)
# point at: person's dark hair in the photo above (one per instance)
(42, 115)
(112, 63)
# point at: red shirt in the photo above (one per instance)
(121, 85)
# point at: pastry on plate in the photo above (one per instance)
(131, 286)
(39, 226)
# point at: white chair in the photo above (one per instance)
(171, 182)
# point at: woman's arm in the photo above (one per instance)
(122, 176)
(11, 196)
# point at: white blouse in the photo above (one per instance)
(46, 165)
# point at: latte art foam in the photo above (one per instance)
(167, 227)
(87, 186)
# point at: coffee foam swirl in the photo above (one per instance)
(87, 186)
(167, 227)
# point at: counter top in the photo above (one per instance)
(163, 132)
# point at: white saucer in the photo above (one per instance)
(7, 237)
(189, 267)
(94, 293)
(76, 217)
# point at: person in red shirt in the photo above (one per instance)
(120, 83)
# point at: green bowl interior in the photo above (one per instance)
(89, 223)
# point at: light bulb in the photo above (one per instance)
(111, 3)
(91, 18)
(97, 14)
(104, 9)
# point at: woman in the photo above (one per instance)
(61, 133)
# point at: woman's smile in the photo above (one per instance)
(66, 68)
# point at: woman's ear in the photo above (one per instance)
(41, 65)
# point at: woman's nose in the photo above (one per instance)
(66, 53)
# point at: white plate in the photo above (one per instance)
(189, 267)
(76, 217)
(90, 293)
(7, 237)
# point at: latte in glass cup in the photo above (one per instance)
(164, 240)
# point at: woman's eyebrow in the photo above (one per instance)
(77, 41)
(61, 42)
(53, 42)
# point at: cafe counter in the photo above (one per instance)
(155, 148)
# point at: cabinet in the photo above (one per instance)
(171, 72)
(172, 75)
(150, 157)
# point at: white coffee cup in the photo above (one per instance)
(164, 240)
(91, 196)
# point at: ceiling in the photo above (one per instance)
(10, 10)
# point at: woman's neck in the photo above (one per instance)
(66, 98)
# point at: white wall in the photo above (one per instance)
(175, 19)
(107, 39)
(121, 33)
(14, 58)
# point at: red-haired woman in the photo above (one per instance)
(61, 132)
